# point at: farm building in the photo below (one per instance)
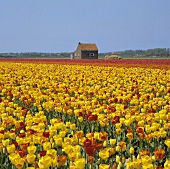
(85, 51)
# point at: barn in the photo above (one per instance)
(85, 51)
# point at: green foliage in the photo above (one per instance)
(35, 55)
(156, 52)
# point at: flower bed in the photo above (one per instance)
(78, 116)
(91, 61)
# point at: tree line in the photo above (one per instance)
(156, 52)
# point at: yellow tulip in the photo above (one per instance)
(41, 125)
(141, 123)
(72, 156)
(1, 147)
(129, 136)
(146, 160)
(76, 148)
(45, 162)
(30, 158)
(47, 146)
(148, 129)
(36, 139)
(167, 164)
(131, 150)
(62, 134)
(67, 140)
(119, 165)
(167, 142)
(52, 153)
(104, 154)
(52, 132)
(118, 125)
(68, 149)
(74, 140)
(127, 122)
(19, 163)
(163, 134)
(117, 158)
(148, 166)
(79, 163)
(58, 126)
(104, 166)
(31, 149)
(11, 148)
(5, 142)
(119, 131)
(72, 126)
(58, 141)
(105, 143)
(102, 124)
(111, 150)
(12, 136)
(81, 141)
(122, 120)
(80, 119)
(118, 148)
(13, 156)
(129, 165)
(72, 166)
(112, 141)
(54, 162)
(163, 116)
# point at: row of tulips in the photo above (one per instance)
(84, 116)
(150, 62)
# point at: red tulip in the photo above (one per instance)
(115, 120)
(87, 142)
(46, 134)
(90, 150)
(42, 153)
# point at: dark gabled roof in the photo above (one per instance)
(87, 46)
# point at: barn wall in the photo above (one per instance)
(87, 55)
(77, 53)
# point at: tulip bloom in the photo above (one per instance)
(47, 146)
(159, 154)
(79, 163)
(115, 120)
(90, 150)
(45, 162)
(104, 154)
(167, 142)
(31, 149)
(144, 152)
(30, 158)
(122, 145)
(11, 148)
(104, 166)
(61, 160)
(19, 163)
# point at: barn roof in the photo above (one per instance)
(88, 46)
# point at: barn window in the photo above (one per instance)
(91, 54)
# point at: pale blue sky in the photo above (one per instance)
(58, 25)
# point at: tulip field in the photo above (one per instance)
(84, 114)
